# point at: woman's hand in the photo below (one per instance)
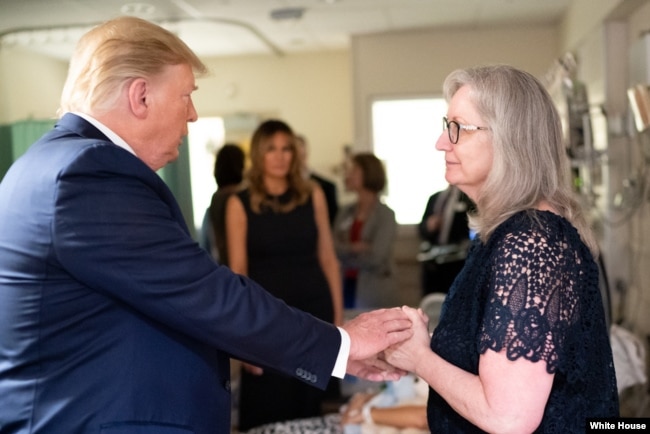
(374, 369)
(405, 355)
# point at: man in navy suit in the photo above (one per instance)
(112, 319)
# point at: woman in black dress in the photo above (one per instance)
(278, 234)
(522, 344)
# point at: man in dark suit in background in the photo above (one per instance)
(329, 188)
(113, 319)
(445, 235)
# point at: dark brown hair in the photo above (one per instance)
(229, 165)
(374, 175)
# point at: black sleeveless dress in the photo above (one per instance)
(282, 257)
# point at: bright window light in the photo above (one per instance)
(404, 137)
(204, 138)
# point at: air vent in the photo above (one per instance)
(284, 14)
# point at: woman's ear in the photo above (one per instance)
(138, 92)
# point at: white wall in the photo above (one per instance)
(30, 85)
(309, 91)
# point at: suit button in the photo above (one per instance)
(226, 385)
(300, 373)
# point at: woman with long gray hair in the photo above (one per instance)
(522, 343)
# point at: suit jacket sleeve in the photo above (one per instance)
(119, 231)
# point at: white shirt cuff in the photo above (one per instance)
(344, 352)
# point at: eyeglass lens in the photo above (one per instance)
(452, 128)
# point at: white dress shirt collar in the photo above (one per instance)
(107, 131)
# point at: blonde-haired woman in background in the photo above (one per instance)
(522, 343)
(278, 234)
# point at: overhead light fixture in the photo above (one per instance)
(141, 10)
(284, 14)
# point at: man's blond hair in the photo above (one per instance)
(112, 54)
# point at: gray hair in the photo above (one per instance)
(530, 162)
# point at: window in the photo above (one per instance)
(404, 136)
(205, 137)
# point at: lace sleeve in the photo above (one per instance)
(532, 297)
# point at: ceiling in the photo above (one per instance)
(235, 27)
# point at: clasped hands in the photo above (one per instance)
(386, 343)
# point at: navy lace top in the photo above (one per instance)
(532, 290)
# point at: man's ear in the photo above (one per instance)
(138, 92)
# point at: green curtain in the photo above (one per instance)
(177, 177)
(6, 150)
(16, 138)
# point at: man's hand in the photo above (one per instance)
(374, 369)
(373, 332)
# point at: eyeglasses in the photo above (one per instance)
(453, 129)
